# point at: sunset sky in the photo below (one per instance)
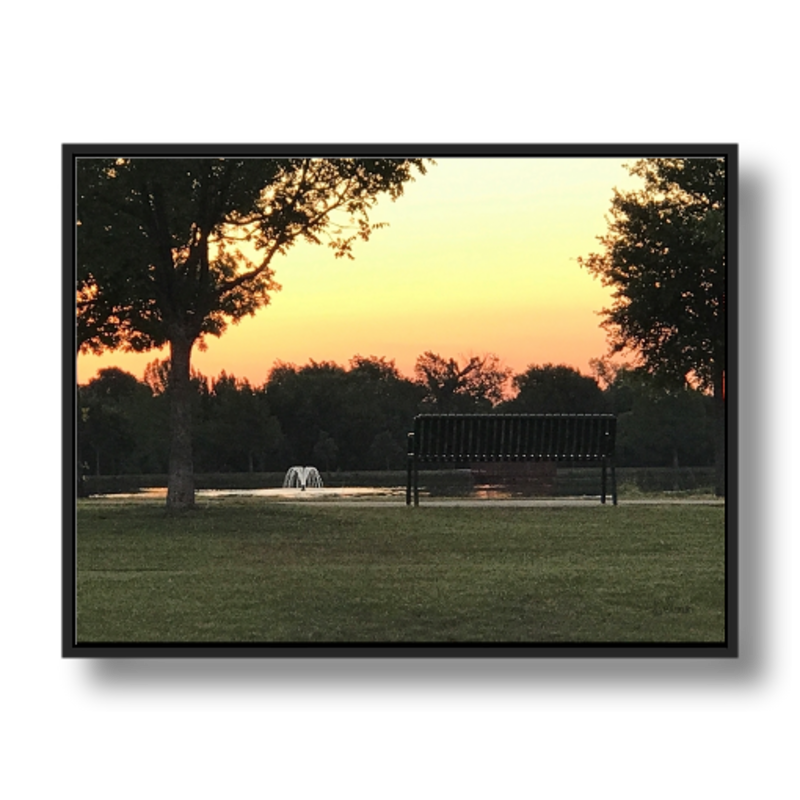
(479, 257)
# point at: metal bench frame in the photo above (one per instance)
(474, 438)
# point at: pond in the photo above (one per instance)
(310, 493)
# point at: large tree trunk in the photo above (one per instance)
(719, 434)
(180, 487)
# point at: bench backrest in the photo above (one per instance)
(514, 437)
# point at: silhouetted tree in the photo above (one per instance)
(325, 450)
(664, 256)
(235, 431)
(476, 384)
(383, 404)
(386, 453)
(555, 389)
(658, 426)
(307, 400)
(161, 260)
(350, 406)
(114, 435)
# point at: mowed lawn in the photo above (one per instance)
(246, 570)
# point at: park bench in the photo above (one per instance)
(472, 438)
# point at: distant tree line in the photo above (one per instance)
(357, 417)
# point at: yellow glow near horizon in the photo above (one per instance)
(479, 256)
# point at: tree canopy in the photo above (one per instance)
(555, 388)
(474, 384)
(189, 244)
(664, 257)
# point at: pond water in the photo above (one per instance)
(310, 493)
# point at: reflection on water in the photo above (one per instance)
(289, 493)
(308, 493)
(490, 494)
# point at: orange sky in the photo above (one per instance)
(479, 256)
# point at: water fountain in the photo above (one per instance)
(302, 477)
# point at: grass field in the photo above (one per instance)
(242, 570)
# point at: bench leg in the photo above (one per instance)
(603, 485)
(614, 482)
(409, 466)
